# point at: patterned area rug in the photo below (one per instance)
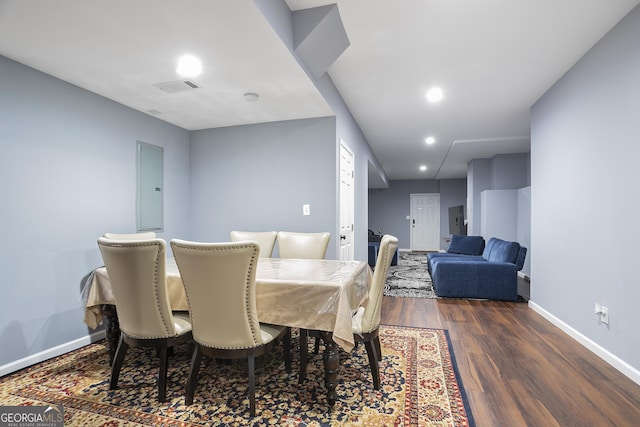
(420, 387)
(410, 277)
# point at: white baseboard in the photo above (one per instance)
(49, 353)
(604, 354)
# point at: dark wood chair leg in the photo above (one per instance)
(192, 380)
(169, 351)
(303, 355)
(373, 363)
(162, 374)
(378, 349)
(286, 348)
(117, 363)
(252, 384)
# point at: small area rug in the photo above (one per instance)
(420, 387)
(410, 277)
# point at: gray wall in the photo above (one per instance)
(388, 208)
(453, 192)
(584, 165)
(511, 171)
(257, 178)
(68, 168)
(478, 180)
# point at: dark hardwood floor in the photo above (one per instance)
(518, 369)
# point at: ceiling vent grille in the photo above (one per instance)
(176, 86)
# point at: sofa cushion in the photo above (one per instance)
(522, 253)
(467, 245)
(498, 250)
(434, 258)
(455, 278)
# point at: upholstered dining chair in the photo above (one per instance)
(131, 236)
(219, 280)
(366, 321)
(266, 240)
(136, 270)
(303, 245)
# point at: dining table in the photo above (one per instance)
(311, 294)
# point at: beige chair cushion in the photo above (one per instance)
(303, 245)
(270, 332)
(266, 240)
(181, 322)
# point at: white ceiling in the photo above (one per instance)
(493, 58)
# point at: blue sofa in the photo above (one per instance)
(471, 269)
(374, 248)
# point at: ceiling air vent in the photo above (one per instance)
(176, 86)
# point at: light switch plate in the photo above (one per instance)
(306, 210)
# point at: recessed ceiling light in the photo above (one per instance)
(423, 168)
(430, 140)
(189, 66)
(434, 94)
(251, 96)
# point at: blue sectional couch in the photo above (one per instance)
(471, 269)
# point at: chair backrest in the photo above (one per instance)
(371, 316)
(131, 236)
(136, 270)
(265, 239)
(303, 245)
(219, 280)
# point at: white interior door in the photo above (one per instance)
(347, 204)
(425, 222)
